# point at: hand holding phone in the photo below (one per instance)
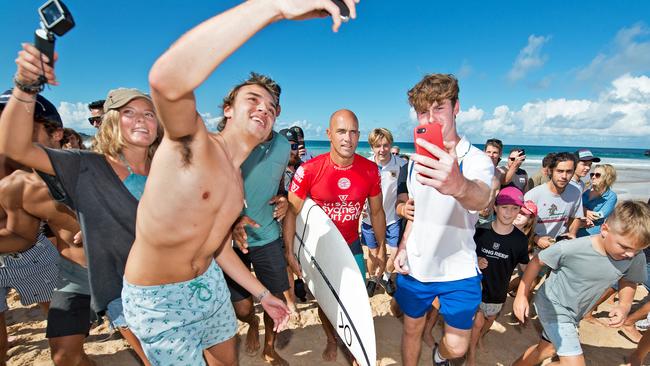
(431, 132)
(345, 11)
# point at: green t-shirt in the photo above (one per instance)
(262, 172)
(580, 275)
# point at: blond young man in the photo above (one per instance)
(581, 270)
(381, 141)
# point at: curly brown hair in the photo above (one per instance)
(253, 79)
(433, 88)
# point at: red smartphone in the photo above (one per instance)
(431, 132)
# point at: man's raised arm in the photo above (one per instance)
(190, 60)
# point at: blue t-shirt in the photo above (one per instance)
(262, 172)
(604, 204)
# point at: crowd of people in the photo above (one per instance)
(86, 232)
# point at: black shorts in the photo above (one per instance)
(69, 314)
(270, 268)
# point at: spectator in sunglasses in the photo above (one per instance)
(599, 200)
(294, 157)
(512, 175)
(96, 109)
(585, 159)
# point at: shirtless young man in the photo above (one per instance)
(195, 187)
(23, 247)
(340, 182)
(26, 199)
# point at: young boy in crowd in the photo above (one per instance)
(500, 247)
(582, 269)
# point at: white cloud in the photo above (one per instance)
(312, 131)
(621, 112)
(413, 116)
(75, 116)
(470, 115)
(628, 53)
(529, 58)
(465, 70)
(211, 122)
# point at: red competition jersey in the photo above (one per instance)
(340, 192)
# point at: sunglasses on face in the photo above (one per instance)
(94, 120)
(295, 146)
(595, 175)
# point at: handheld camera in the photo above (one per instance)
(55, 19)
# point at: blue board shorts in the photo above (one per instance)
(176, 322)
(392, 235)
(459, 299)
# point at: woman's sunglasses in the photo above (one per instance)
(597, 175)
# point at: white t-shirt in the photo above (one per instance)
(553, 210)
(441, 244)
(389, 174)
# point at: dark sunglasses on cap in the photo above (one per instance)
(295, 146)
(95, 119)
(597, 175)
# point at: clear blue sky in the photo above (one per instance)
(531, 72)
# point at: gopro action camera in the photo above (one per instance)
(55, 19)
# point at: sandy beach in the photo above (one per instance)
(602, 345)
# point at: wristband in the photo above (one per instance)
(262, 295)
(29, 88)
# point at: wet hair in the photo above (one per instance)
(50, 127)
(69, 132)
(494, 143)
(562, 157)
(609, 174)
(254, 79)
(377, 134)
(109, 140)
(98, 104)
(547, 160)
(515, 149)
(631, 218)
(433, 88)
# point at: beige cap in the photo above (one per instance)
(120, 97)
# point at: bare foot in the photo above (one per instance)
(427, 337)
(329, 354)
(631, 333)
(272, 357)
(253, 337)
(283, 338)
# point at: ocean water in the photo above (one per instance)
(619, 157)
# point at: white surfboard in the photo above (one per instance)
(332, 275)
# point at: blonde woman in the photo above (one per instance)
(102, 186)
(599, 200)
